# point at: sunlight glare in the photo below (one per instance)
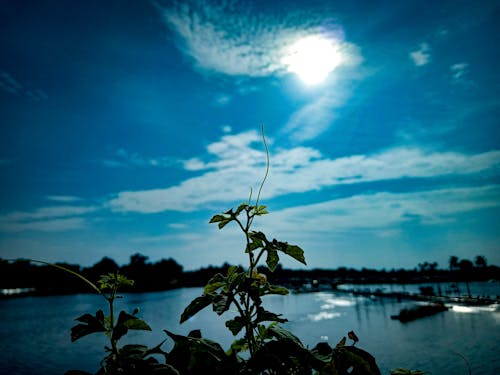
(312, 59)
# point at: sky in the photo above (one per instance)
(126, 125)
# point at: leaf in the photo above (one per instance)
(217, 218)
(240, 208)
(214, 283)
(125, 322)
(195, 333)
(221, 220)
(267, 316)
(274, 289)
(196, 305)
(261, 210)
(91, 324)
(296, 253)
(283, 334)
(353, 336)
(341, 342)
(235, 325)
(221, 303)
(272, 259)
(238, 346)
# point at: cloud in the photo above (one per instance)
(121, 158)
(234, 164)
(314, 118)
(221, 100)
(384, 211)
(459, 72)
(13, 86)
(421, 56)
(51, 218)
(227, 38)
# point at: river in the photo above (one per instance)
(35, 331)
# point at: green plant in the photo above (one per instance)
(263, 346)
(128, 359)
(272, 349)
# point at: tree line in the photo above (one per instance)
(168, 274)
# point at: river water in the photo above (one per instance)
(35, 331)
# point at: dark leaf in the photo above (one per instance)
(196, 305)
(195, 333)
(295, 252)
(91, 324)
(267, 316)
(283, 334)
(272, 259)
(353, 336)
(222, 302)
(235, 325)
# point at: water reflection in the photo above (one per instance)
(40, 326)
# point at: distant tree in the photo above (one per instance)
(453, 262)
(104, 266)
(480, 261)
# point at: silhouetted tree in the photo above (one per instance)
(480, 261)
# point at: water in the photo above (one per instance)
(34, 331)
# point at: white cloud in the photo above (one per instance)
(421, 56)
(228, 38)
(459, 72)
(53, 225)
(51, 218)
(226, 129)
(221, 100)
(234, 165)
(314, 118)
(383, 212)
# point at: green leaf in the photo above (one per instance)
(240, 208)
(217, 218)
(214, 283)
(261, 210)
(274, 289)
(296, 253)
(238, 346)
(235, 325)
(196, 305)
(272, 259)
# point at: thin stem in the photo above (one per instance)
(69, 271)
(267, 167)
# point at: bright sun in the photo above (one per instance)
(312, 59)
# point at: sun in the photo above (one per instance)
(312, 58)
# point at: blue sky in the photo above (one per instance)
(126, 125)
